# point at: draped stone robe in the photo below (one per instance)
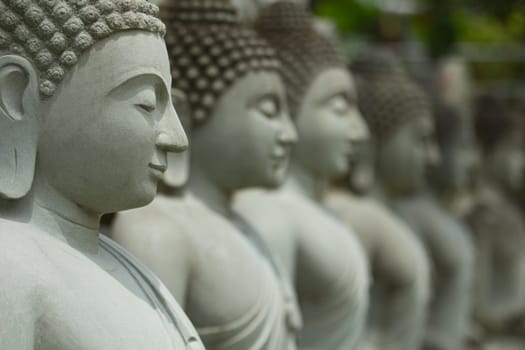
(400, 271)
(449, 245)
(228, 286)
(54, 297)
(322, 258)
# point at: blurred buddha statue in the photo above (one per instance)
(86, 121)
(453, 178)
(496, 221)
(321, 256)
(400, 120)
(398, 262)
(231, 286)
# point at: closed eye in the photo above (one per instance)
(339, 104)
(146, 100)
(269, 106)
(146, 107)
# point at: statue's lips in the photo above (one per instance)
(160, 167)
(281, 154)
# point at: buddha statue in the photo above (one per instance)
(399, 264)
(453, 178)
(399, 116)
(321, 257)
(496, 221)
(220, 270)
(86, 122)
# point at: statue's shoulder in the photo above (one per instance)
(263, 197)
(343, 201)
(270, 209)
(183, 222)
(363, 212)
(166, 219)
(25, 268)
(20, 243)
(384, 216)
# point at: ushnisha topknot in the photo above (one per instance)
(303, 51)
(387, 96)
(209, 50)
(53, 34)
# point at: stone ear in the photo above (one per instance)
(19, 104)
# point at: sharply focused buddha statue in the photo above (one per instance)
(321, 256)
(401, 124)
(220, 270)
(496, 221)
(86, 121)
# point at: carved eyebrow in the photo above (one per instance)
(341, 93)
(262, 96)
(268, 93)
(341, 89)
(141, 72)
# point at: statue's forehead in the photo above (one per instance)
(129, 54)
(333, 81)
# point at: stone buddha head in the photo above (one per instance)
(399, 117)
(458, 154)
(320, 90)
(85, 105)
(454, 129)
(241, 132)
(500, 132)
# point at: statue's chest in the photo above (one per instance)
(229, 281)
(86, 308)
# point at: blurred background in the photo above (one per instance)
(489, 34)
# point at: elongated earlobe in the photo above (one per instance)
(19, 103)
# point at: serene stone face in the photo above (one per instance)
(454, 83)
(454, 130)
(246, 141)
(328, 124)
(405, 154)
(506, 161)
(108, 128)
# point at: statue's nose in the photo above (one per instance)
(172, 137)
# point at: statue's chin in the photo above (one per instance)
(336, 170)
(275, 182)
(135, 198)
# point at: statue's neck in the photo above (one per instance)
(304, 182)
(216, 198)
(51, 212)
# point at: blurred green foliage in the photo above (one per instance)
(350, 16)
(441, 26)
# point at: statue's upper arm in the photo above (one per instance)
(170, 257)
(17, 315)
